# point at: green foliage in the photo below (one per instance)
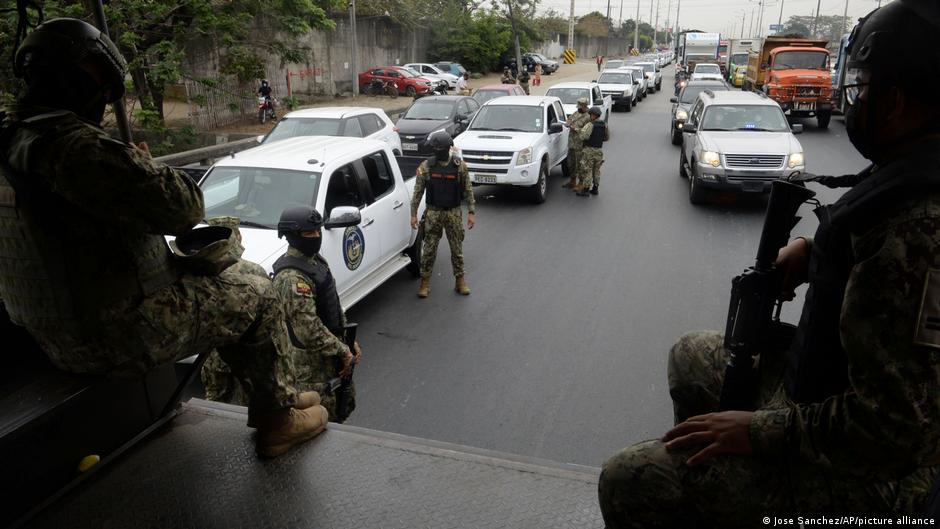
(475, 40)
(829, 27)
(593, 24)
(149, 119)
(550, 23)
(290, 102)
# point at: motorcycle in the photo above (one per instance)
(380, 87)
(441, 88)
(266, 109)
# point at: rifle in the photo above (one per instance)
(754, 311)
(340, 385)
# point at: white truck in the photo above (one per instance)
(356, 184)
(517, 141)
(569, 93)
(700, 47)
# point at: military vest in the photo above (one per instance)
(329, 309)
(443, 185)
(598, 133)
(578, 119)
(61, 268)
(818, 364)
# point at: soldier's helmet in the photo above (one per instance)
(61, 43)
(583, 102)
(297, 219)
(264, 82)
(595, 111)
(441, 140)
(882, 41)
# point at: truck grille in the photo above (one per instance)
(808, 91)
(487, 157)
(759, 161)
(613, 94)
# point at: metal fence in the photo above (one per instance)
(219, 103)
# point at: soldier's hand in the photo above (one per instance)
(414, 222)
(726, 432)
(793, 263)
(347, 364)
(358, 351)
(143, 147)
(471, 221)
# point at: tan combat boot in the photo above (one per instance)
(307, 399)
(424, 288)
(279, 430)
(571, 183)
(461, 287)
(578, 188)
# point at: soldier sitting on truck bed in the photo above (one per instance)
(84, 266)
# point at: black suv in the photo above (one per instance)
(682, 104)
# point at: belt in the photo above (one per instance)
(436, 208)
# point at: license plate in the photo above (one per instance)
(805, 106)
(485, 178)
(409, 146)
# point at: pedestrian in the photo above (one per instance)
(507, 78)
(593, 134)
(577, 119)
(86, 269)
(446, 179)
(524, 81)
(847, 414)
(537, 78)
(463, 84)
(600, 61)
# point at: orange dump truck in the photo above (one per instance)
(794, 72)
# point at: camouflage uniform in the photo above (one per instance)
(109, 199)
(591, 160)
(440, 221)
(575, 143)
(868, 450)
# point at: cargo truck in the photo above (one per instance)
(699, 48)
(737, 54)
(794, 72)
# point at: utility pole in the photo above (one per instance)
(816, 18)
(780, 18)
(760, 18)
(515, 36)
(636, 28)
(676, 23)
(668, 32)
(845, 17)
(656, 26)
(743, 14)
(609, 25)
(750, 26)
(354, 62)
(571, 27)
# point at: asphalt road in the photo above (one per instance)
(560, 350)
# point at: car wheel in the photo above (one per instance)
(262, 116)
(414, 252)
(540, 189)
(696, 193)
(682, 171)
(630, 105)
(410, 91)
(676, 137)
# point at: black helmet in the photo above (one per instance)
(595, 111)
(67, 42)
(882, 41)
(264, 82)
(297, 219)
(441, 140)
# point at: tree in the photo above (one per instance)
(829, 27)
(550, 23)
(593, 24)
(477, 40)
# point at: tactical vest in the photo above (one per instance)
(329, 309)
(62, 269)
(579, 119)
(443, 185)
(818, 364)
(598, 133)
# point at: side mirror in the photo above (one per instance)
(343, 217)
(673, 99)
(797, 128)
(260, 138)
(689, 127)
(555, 128)
(636, 82)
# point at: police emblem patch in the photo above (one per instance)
(354, 247)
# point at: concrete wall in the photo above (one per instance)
(585, 47)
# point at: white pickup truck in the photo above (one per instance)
(516, 140)
(356, 184)
(569, 93)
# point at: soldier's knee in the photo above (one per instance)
(693, 348)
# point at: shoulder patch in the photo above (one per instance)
(928, 320)
(303, 289)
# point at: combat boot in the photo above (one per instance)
(578, 188)
(571, 183)
(594, 190)
(279, 430)
(424, 288)
(307, 399)
(461, 287)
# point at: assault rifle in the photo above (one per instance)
(754, 311)
(340, 385)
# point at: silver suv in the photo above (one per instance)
(737, 141)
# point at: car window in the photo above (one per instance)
(392, 73)
(379, 174)
(482, 96)
(809, 60)
(569, 96)
(690, 92)
(597, 94)
(708, 68)
(696, 112)
(519, 118)
(559, 110)
(472, 105)
(351, 128)
(435, 110)
(462, 108)
(744, 117)
(552, 115)
(378, 73)
(293, 127)
(370, 124)
(257, 194)
(343, 190)
(615, 78)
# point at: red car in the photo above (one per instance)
(408, 83)
(492, 91)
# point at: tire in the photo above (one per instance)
(538, 191)
(414, 252)
(822, 120)
(682, 172)
(676, 137)
(630, 105)
(262, 115)
(392, 91)
(696, 193)
(410, 91)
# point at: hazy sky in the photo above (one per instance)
(714, 15)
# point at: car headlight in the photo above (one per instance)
(628, 92)
(711, 158)
(524, 157)
(796, 160)
(681, 115)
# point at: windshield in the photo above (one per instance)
(722, 48)
(689, 93)
(431, 110)
(638, 73)
(412, 71)
(257, 195)
(616, 78)
(811, 60)
(482, 96)
(293, 127)
(745, 117)
(569, 96)
(648, 68)
(708, 69)
(739, 58)
(508, 118)
(614, 64)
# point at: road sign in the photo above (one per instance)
(776, 27)
(569, 56)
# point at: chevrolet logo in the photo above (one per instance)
(486, 156)
(755, 161)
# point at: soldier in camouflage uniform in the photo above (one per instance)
(593, 134)
(446, 180)
(847, 418)
(84, 266)
(577, 119)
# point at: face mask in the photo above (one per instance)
(858, 123)
(442, 155)
(308, 246)
(581, 110)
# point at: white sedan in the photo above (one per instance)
(353, 122)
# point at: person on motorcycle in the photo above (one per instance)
(265, 91)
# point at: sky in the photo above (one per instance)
(720, 16)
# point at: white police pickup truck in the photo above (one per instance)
(516, 140)
(569, 93)
(356, 184)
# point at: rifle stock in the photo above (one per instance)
(754, 308)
